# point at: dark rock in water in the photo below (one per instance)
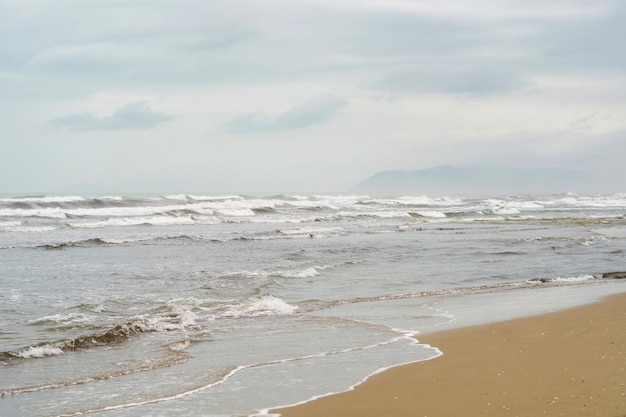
(541, 280)
(614, 275)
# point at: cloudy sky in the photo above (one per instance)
(303, 95)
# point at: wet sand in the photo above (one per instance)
(568, 363)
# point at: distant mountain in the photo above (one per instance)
(481, 181)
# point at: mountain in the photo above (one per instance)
(481, 181)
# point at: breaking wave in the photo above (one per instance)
(266, 305)
(115, 335)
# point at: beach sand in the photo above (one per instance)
(568, 363)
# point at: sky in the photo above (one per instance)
(303, 95)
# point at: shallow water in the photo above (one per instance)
(226, 305)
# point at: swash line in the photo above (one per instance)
(231, 373)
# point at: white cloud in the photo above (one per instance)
(314, 111)
(132, 116)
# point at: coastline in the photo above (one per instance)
(569, 362)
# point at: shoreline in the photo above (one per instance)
(568, 362)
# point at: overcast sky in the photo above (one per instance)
(303, 95)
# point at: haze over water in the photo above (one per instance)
(208, 305)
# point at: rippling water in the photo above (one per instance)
(225, 305)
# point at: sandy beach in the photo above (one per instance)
(568, 363)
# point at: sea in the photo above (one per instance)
(231, 305)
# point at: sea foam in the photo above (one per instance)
(267, 305)
(39, 351)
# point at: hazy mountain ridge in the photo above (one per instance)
(483, 180)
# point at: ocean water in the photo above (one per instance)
(202, 305)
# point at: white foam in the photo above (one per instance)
(52, 213)
(178, 197)
(386, 214)
(613, 201)
(10, 223)
(206, 220)
(431, 213)
(64, 318)
(34, 229)
(214, 198)
(196, 197)
(179, 346)
(310, 231)
(180, 319)
(313, 204)
(57, 199)
(439, 201)
(126, 211)
(39, 351)
(267, 219)
(132, 211)
(302, 273)
(417, 201)
(135, 221)
(579, 278)
(125, 240)
(235, 211)
(265, 306)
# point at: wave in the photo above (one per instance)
(77, 244)
(99, 241)
(111, 336)
(46, 214)
(50, 213)
(266, 305)
(135, 221)
(348, 215)
(528, 202)
(177, 357)
(10, 223)
(41, 199)
(414, 201)
(63, 319)
(196, 197)
(264, 210)
(304, 273)
(310, 232)
(31, 229)
(614, 275)
(301, 273)
(176, 319)
(548, 282)
(428, 214)
(579, 278)
(299, 233)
